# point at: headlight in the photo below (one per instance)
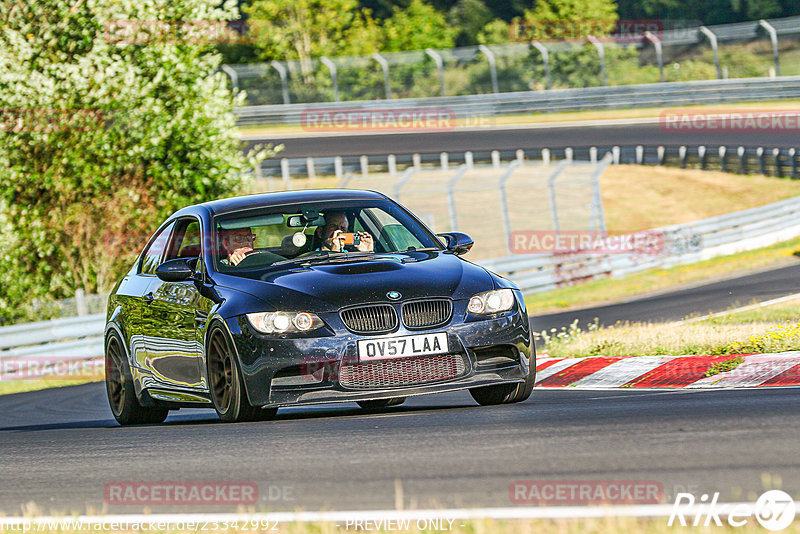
(490, 302)
(283, 322)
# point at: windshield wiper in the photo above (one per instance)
(317, 255)
(356, 256)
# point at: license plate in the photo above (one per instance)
(402, 346)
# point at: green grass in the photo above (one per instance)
(670, 339)
(607, 290)
(775, 313)
(774, 328)
(20, 386)
(727, 365)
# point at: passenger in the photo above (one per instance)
(336, 223)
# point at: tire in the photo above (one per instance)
(507, 393)
(121, 394)
(381, 403)
(226, 384)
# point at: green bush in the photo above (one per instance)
(103, 138)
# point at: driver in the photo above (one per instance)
(236, 244)
(336, 223)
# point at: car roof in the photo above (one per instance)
(226, 205)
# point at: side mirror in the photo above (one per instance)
(177, 270)
(457, 243)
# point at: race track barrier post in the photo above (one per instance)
(712, 38)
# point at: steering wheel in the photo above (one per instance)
(251, 259)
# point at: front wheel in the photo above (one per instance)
(381, 403)
(226, 384)
(119, 388)
(507, 393)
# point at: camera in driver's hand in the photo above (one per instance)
(349, 238)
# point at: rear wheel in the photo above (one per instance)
(226, 384)
(119, 387)
(507, 393)
(381, 403)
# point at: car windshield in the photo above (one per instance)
(253, 241)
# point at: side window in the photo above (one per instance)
(155, 251)
(185, 242)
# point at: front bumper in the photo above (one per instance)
(305, 370)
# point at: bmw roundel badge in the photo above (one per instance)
(394, 295)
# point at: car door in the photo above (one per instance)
(135, 296)
(174, 353)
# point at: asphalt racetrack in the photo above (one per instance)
(512, 138)
(60, 448)
(676, 305)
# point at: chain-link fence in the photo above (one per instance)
(751, 49)
(490, 203)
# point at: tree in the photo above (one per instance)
(417, 27)
(575, 21)
(572, 19)
(305, 29)
(757, 9)
(706, 11)
(114, 116)
(469, 17)
(496, 32)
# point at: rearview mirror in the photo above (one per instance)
(300, 221)
(457, 243)
(177, 270)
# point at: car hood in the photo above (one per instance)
(332, 285)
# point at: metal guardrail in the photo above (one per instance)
(589, 98)
(771, 161)
(20, 335)
(32, 350)
(680, 244)
(280, 81)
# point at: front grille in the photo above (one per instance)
(427, 313)
(402, 371)
(370, 319)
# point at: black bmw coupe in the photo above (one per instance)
(251, 303)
